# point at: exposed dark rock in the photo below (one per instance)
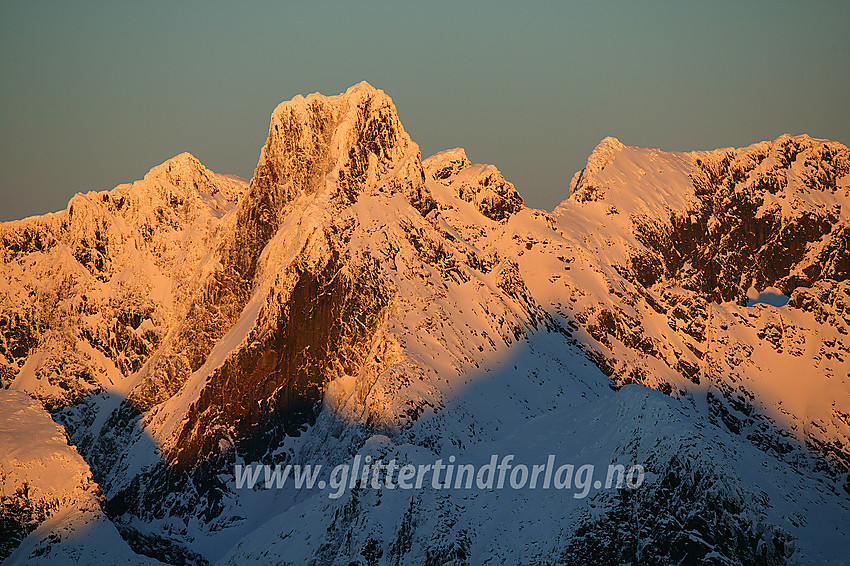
(274, 386)
(731, 240)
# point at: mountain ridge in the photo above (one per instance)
(352, 291)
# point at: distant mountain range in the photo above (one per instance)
(686, 312)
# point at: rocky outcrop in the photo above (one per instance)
(483, 186)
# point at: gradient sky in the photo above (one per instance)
(93, 94)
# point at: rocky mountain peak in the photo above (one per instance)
(177, 167)
(444, 164)
(328, 149)
(340, 143)
(186, 173)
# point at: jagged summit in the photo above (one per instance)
(340, 143)
(182, 170)
(605, 148)
(446, 163)
(599, 157)
(192, 179)
(481, 185)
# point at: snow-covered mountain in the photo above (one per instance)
(687, 312)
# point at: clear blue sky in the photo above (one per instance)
(93, 94)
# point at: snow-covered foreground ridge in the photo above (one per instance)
(352, 299)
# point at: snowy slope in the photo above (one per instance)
(47, 488)
(555, 402)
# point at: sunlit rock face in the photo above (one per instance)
(353, 298)
(89, 293)
(306, 303)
